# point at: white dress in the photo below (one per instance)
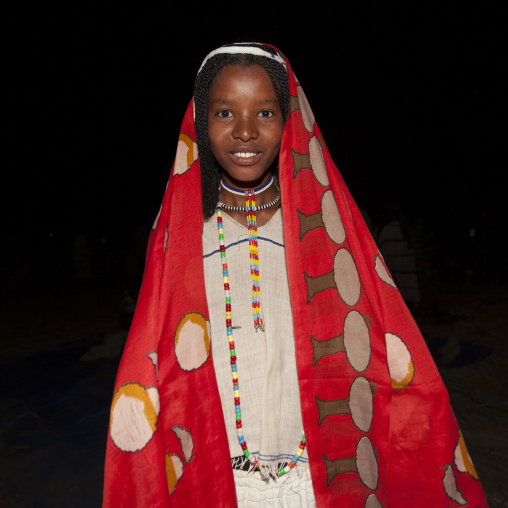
(266, 361)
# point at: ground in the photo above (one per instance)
(461, 316)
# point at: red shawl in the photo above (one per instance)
(376, 415)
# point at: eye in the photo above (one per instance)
(224, 113)
(265, 113)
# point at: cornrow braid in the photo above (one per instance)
(210, 172)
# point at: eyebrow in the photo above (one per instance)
(227, 102)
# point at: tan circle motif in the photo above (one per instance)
(372, 502)
(186, 441)
(307, 115)
(331, 218)
(382, 272)
(317, 161)
(192, 341)
(400, 363)
(463, 459)
(186, 154)
(134, 414)
(361, 404)
(174, 471)
(157, 218)
(366, 463)
(346, 277)
(357, 341)
(451, 489)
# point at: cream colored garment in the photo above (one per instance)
(268, 382)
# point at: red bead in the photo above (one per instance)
(237, 401)
(222, 248)
(302, 446)
(228, 307)
(226, 286)
(232, 345)
(228, 323)
(239, 424)
(244, 446)
(233, 360)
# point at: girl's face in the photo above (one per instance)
(245, 125)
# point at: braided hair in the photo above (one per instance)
(210, 172)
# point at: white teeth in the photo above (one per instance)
(245, 154)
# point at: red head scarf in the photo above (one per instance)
(396, 443)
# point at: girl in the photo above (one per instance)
(271, 360)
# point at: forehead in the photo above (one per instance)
(242, 81)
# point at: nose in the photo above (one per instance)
(245, 129)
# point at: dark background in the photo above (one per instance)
(412, 105)
(410, 102)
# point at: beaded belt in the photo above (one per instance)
(240, 464)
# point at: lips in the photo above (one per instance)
(245, 158)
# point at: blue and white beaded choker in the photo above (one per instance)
(240, 192)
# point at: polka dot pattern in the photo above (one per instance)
(186, 154)
(192, 341)
(134, 414)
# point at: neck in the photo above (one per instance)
(241, 192)
(234, 196)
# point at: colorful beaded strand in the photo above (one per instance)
(229, 331)
(234, 369)
(250, 205)
(295, 459)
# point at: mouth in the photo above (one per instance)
(245, 158)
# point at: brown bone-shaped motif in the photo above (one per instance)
(328, 217)
(344, 278)
(355, 342)
(364, 464)
(294, 104)
(310, 222)
(313, 160)
(359, 405)
(300, 161)
(327, 347)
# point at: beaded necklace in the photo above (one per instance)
(258, 322)
(244, 209)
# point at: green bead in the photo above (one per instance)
(303, 439)
(281, 471)
(246, 453)
(238, 416)
(233, 353)
(228, 300)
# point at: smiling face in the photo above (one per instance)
(245, 125)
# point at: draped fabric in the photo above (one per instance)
(377, 419)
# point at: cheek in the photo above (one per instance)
(276, 136)
(213, 140)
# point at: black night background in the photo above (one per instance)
(411, 102)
